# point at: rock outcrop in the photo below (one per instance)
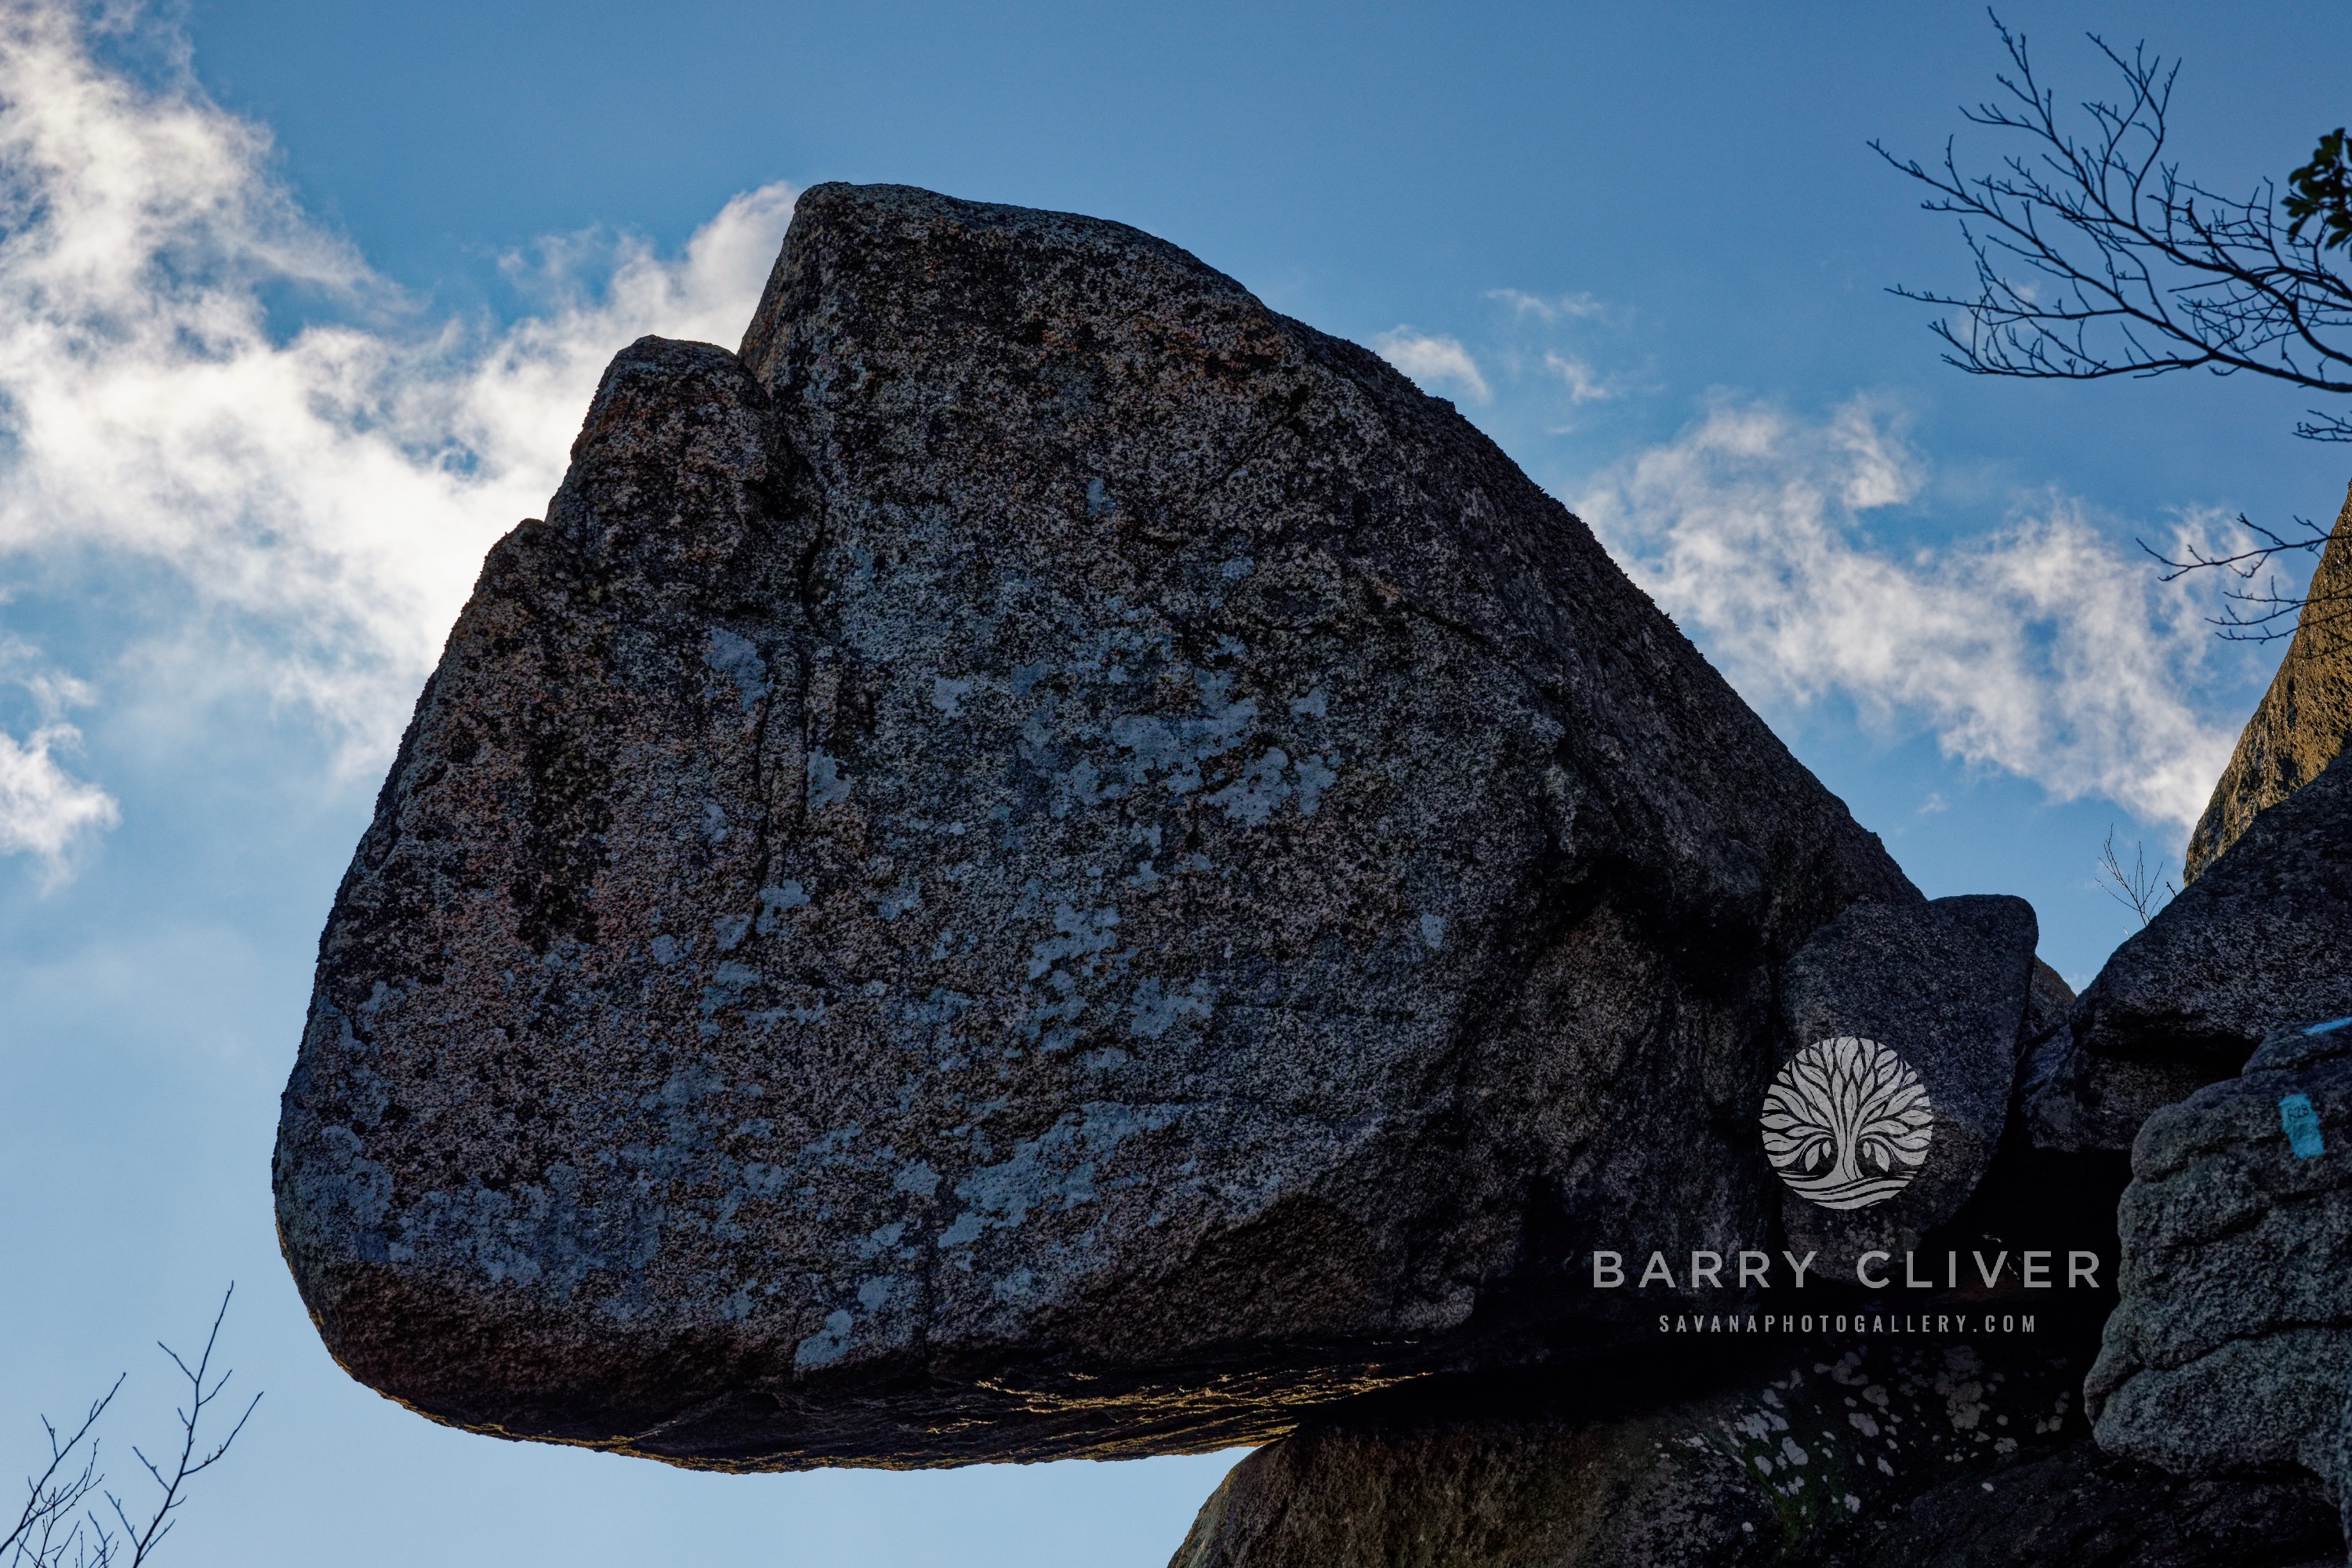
(2230, 1348)
(2302, 722)
(1044, 861)
(1893, 1456)
(2263, 937)
(1945, 987)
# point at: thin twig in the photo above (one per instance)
(2140, 890)
(144, 1539)
(53, 1498)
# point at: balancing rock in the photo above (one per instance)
(1044, 861)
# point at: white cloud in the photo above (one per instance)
(323, 501)
(2041, 650)
(1432, 361)
(1583, 385)
(44, 810)
(1547, 308)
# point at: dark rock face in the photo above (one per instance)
(1945, 987)
(1485, 1492)
(2081, 1509)
(2262, 937)
(2303, 719)
(2230, 1348)
(2077, 1102)
(1049, 861)
(2048, 1001)
(1955, 1457)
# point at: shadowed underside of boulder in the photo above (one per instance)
(1047, 861)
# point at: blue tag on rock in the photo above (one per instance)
(2302, 1124)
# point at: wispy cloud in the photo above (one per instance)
(1583, 385)
(1432, 361)
(1547, 307)
(2042, 649)
(44, 810)
(323, 499)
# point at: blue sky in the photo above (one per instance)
(301, 305)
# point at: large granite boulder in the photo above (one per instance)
(1045, 861)
(1891, 1455)
(2301, 720)
(1903, 1025)
(2262, 937)
(2230, 1348)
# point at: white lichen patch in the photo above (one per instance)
(1057, 1169)
(908, 895)
(828, 785)
(1154, 1009)
(1268, 781)
(827, 1345)
(778, 901)
(738, 659)
(1080, 934)
(1174, 749)
(948, 696)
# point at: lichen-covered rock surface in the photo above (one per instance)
(2261, 938)
(1046, 861)
(1946, 986)
(2303, 718)
(1890, 1455)
(2231, 1348)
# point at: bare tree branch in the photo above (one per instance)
(142, 1539)
(57, 1529)
(53, 1498)
(2095, 257)
(2264, 612)
(2139, 890)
